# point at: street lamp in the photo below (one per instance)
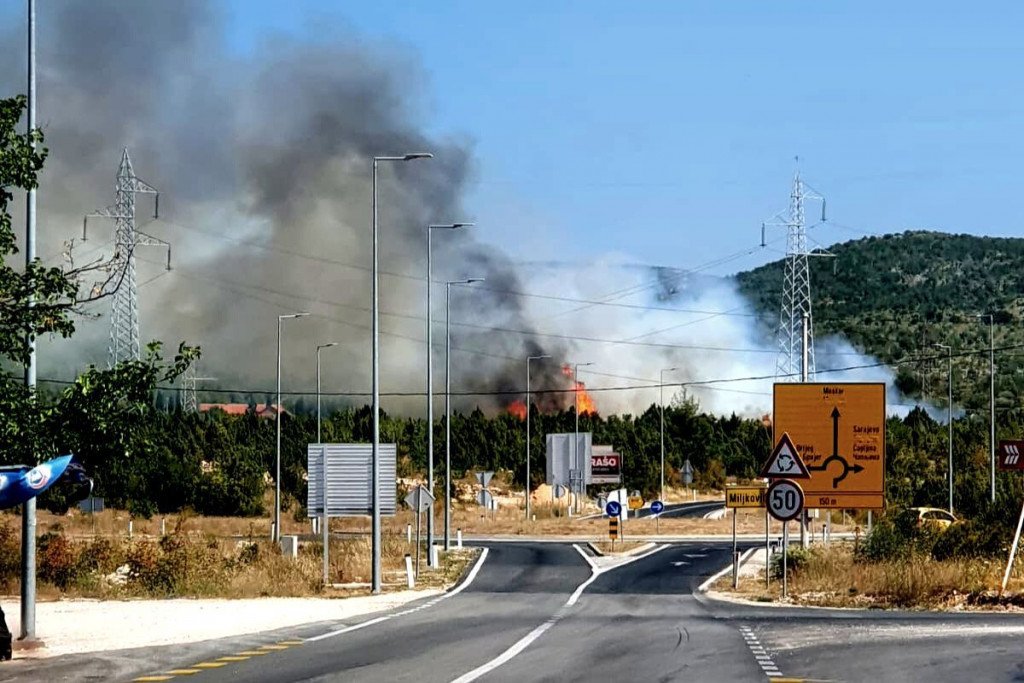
(430, 380)
(277, 419)
(991, 404)
(949, 418)
(576, 435)
(448, 405)
(375, 334)
(530, 358)
(319, 348)
(324, 523)
(662, 404)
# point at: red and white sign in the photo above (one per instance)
(1011, 455)
(605, 466)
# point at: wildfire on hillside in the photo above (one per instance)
(517, 409)
(584, 400)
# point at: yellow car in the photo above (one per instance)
(936, 516)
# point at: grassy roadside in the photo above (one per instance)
(187, 562)
(832, 576)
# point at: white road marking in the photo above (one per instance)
(728, 568)
(536, 633)
(430, 603)
(764, 660)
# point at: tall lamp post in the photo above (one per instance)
(991, 404)
(661, 376)
(277, 419)
(530, 358)
(320, 348)
(576, 410)
(949, 417)
(324, 523)
(448, 405)
(375, 334)
(430, 379)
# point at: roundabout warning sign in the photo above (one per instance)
(838, 431)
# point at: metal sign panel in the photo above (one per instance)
(657, 507)
(613, 509)
(561, 457)
(785, 500)
(687, 472)
(635, 502)
(348, 479)
(839, 433)
(418, 499)
(605, 465)
(745, 496)
(613, 528)
(1011, 455)
(484, 478)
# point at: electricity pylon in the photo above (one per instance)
(124, 316)
(796, 286)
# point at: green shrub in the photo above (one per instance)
(58, 560)
(796, 559)
(971, 539)
(10, 553)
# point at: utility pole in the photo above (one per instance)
(991, 405)
(530, 358)
(805, 370)
(277, 424)
(576, 436)
(319, 348)
(949, 418)
(189, 399)
(375, 561)
(661, 403)
(448, 404)
(124, 315)
(430, 381)
(28, 517)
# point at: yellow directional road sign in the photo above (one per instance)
(839, 432)
(745, 496)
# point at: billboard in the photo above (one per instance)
(605, 465)
(348, 479)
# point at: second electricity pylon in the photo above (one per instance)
(796, 286)
(124, 316)
(189, 381)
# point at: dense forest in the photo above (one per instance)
(896, 296)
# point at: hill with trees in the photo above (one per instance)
(896, 296)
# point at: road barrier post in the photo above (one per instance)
(409, 578)
(458, 539)
(1013, 550)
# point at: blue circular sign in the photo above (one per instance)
(613, 509)
(657, 506)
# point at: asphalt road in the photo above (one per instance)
(538, 612)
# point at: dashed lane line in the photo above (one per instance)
(243, 656)
(764, 660)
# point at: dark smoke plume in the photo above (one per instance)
(263, 163)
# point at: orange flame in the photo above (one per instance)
(584, 400)
(518, 409)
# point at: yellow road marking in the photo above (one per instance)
(183, 672)
(253, 653)
(274, 647)
(233, 658)
(209, 665)
(290, 642)
(153, 678)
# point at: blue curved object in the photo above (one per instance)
(18, 486)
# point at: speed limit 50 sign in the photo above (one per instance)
(785, 499)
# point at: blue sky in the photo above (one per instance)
(665, 132)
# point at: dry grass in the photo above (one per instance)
(831, 577)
